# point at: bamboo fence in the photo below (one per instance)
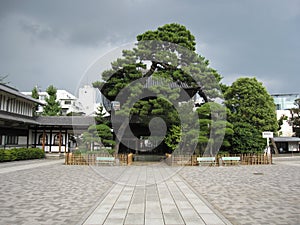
(246, 159)
(90, 159)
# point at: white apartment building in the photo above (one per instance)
(87, 97)
(284, 102)
(85, 103)
(286, 140)
(68, 102)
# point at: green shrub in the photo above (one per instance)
(21, 154)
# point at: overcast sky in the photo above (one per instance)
(55, 42)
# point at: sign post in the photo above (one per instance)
(268, 135)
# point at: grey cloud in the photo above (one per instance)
(250, 37)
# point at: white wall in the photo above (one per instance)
(87, 98)
(286, 129)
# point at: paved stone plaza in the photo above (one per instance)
(257, 194)
(48, 192)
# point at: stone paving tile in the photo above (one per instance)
(53, 194)
(154, 221)
(164, 198)
(19, 166)
(134, 218)
(58, 194)
(258, 194)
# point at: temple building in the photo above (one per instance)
(19, 127)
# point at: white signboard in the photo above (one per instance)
(267, 134)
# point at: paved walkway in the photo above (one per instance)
(24, 165)
(47, 192)
(257, 194)
(152, 195)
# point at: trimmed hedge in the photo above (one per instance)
(21, 154)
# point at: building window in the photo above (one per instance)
(278, 107)
(67, 102)
(41, 139)
(11, 140)
(56, 139)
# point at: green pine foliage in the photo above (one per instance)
(184, 66)
(99, 133)
(213, 133)
(35, 95)
(52, 107)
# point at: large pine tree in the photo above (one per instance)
(161, 57)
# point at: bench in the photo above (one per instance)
(231, 160)
(105, 160)
(206, 161)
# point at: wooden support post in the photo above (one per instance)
(66, 141)
(59, 140)
(43, 142)
(35, 136)
(50, 140)
(27, 140)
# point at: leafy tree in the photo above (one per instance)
(182, 137)
(147, 63)
(246, 139)
(220, 130)
(280, 122)
(35, 95)
(100, 132)
(52, 107)
(173, 137)
(252, 111)
(100, 116)
(294, 121)
(89, 137)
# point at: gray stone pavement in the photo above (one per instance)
(48, 192)
(24, 165)
(152, 195)
(257, 194)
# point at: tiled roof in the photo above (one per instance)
(15, 92)
(65, 120)
(17, 118)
